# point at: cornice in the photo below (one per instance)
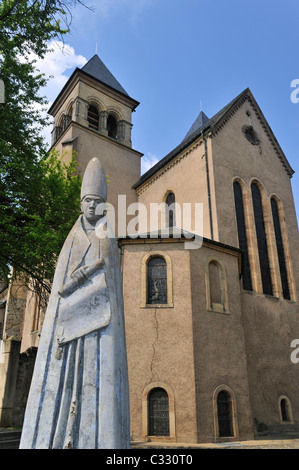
(216, 128)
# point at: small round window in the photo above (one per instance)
(251, 135)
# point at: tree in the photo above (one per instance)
(34, 225)
(39, 196)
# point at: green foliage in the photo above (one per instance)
(34, 223)
(38, 193)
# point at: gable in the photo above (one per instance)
(204, 126)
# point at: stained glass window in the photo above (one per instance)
(224, 410)
(170, 201)
(284, 410)
(158, 410)
(261, 239)
(280, 250)
(247, 284)
(157, 281)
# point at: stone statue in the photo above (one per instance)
(79, 394)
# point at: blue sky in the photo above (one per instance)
(180, 56)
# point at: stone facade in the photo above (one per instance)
(218, 354)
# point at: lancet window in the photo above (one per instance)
(170, 207)
(261, 239)
(158, 409)
(216, 294)
(224, 413)
(157, 281)
(280, 249)
(241, 226)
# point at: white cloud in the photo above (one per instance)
(60, 59)
(148, 161)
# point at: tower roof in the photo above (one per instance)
(96, 68)
(198, 123)
(98, 71)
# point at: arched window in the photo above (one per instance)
(261, 239)
(170, 206)
(59, 128)
(157, 281)
(240, 215)
(216, 294)
(68, 116)
(158, 413)
(224, 414)
(93, 117)
(216, 287)
(284, 410)
(112, 126)
(280, 249)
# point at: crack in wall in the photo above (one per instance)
(154, 344)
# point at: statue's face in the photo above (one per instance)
(88, 207)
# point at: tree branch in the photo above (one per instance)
(8, 12)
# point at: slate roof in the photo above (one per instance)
(96, 68)
(198, 123)
(176, 233)
(202, 125)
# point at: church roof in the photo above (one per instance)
(96, 68)
(203, 124)
(175, 233)
(198, 123)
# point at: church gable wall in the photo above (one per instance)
(234, 156)
(185, 176)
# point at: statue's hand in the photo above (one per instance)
(86, 271)
(79, 275)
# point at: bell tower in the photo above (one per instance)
(93, 117)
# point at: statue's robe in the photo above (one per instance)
(79, 394)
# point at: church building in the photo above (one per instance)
(210, 316)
